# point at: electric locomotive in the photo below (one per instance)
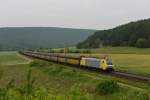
(95, 63)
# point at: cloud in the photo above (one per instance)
(96, 14)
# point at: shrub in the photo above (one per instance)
(86, 51)
(141, 43)
(78, 94)
(107, 87)
(143, 96)
(74, 51)
(29, 92)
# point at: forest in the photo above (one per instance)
(133, 34)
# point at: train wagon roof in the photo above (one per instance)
(69, 56)
(59, 55)
(96, 59)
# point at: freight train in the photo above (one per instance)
(90, 62)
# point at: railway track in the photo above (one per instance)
(120, 74)
(131, 76)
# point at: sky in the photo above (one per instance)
(87, 14)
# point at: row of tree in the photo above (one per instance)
(135, 34)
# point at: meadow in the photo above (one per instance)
(121, 50)
(129, 59)
(133, 60)
(61, 82)
(10, 58)
(132, 63)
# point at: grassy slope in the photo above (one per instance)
(60, 79)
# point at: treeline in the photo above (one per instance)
(134, 34)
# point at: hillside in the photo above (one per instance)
(135, 34)
(13, 38)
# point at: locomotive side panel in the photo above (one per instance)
(90, 62)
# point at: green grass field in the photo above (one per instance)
(133, 63)
(139, 64)
(64, 81)
(133, 60)
(121, 50)
(10, 58)
(60, 79)
(128, 59)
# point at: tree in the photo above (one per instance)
(132, 40)
(123, 35)
(141, 43)
(148, 41)
(97, 43)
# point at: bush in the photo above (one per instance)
(141, 43)
(86, 51)
(74, 51)
(107, 87)
(76, 93)
(29, 92)
(143, 96)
